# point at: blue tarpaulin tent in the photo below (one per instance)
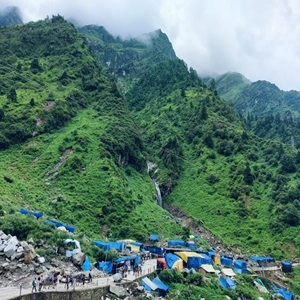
(106, 266)
(162, 288)
(227, 283)
(240, 267)
(157, 250)
(154, 237)
(191, 244)
(226, 261)
(59, 224)
(33, 213)
(106, 246)
(136, 259)
(286, 266)
(87, 265)
(206, 259)
(194, 262)
(149, 285)
(262, 260)
(171, 259)
(286, 295)
(176, 243)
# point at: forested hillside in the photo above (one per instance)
(268, 111)
(69, 146)
(82, 116)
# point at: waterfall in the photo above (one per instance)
(158, 193)
(153, 174)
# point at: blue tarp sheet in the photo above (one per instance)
(262, 258)
(206, 259)
(136, 258)
(211, 253)
(286, 295)
(194, 262)
(176, 243)
(227, 283)
(157, 250)
(154, 238)
(58, 224)
(87, 265)
(160, 284)
(109, 245)
(240, 266)
(27, 212)
(106, 266)
(226, 261)
(170, 259)
(286, 266)
(191, 245)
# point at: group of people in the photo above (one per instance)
(69, 280)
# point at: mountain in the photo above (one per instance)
(10, 16)
(74, 148)
(268, 111)
(69, 146)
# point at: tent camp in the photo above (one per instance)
(87, 265)
(174, 262)
(157, 250)
(149, 285)
(286, 266)
(227, 283)
(192, 259)
(191, 244)
(33, 213)
(207, 269)
(162, 288)
(106, 266)
(284, 293)
(154, 237)
(227, 272)
(226, 261)
(240, 266)
(262, 261)
(106, 246)
(176, 243)
(59, 224)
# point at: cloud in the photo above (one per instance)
(258, 38)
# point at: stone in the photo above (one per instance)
(141, 289)
(30, 241)
(9, 250)
(20, 249)
(38, 270)
(13, 240)
(117, 277)
(5, 265)
(4, 237)
(54, 262)
(29, 254)
(24, 244)
(78, 259)
(41, 259)
(118, 290)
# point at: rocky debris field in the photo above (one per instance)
(19, 261)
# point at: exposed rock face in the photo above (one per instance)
(118, 290)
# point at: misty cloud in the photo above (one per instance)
(258, 38)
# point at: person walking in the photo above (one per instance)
(33, 285)
(90, 277)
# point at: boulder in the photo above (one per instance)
(118, 290)
(29, 254)
(13, 240)
(9, 250)
(4, 237)
(30, 241)
(19, 255)
(78, 259)
(20, 249)
(41, 259)
(117, 277)
(24, 244)
(38, 270)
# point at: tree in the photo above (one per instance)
(248, 177)
(12, 95)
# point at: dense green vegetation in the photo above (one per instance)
(70, 147)
(267, 111)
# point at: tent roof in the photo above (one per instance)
(151, 284)
(160, 285)
(262, 258)
(125, 258)
(208, 268)
(228, 272)
(154, 237)
(186, 255)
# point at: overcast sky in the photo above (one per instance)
(258, 38)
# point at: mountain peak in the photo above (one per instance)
(11, 15)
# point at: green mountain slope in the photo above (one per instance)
(70, 147)
(268, 111)
(10, 16)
